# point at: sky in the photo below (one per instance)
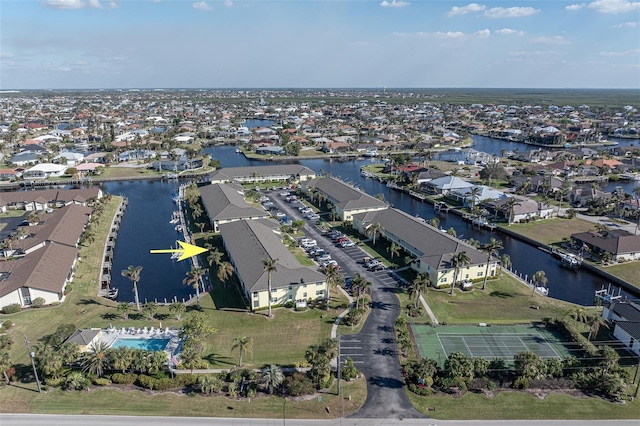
(93, 44)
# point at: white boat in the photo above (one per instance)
(629, 176)
(112, 294)
(542, 290)
(371, 153)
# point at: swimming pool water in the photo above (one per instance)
(137, 343)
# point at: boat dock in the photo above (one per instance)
(107, 255)
(441, 206)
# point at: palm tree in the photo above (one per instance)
(372, 230)
(579, 314)
(269, 266)
(474, 194)
(363, 289)
(459, 261)
(177, 309)
(509, 207)
(435, 222)
(193, 279)
(356, 282)
(96, 359)
(539, 279)
(595, 322)
(190, 358)
(133, 273)
(124, 307)
(505, 261)
(418, 286)
(272, 376)
(150, 308)
(394, 250)
(491, 248)
(243, 344)
(334, 277)
(121, 358)
(214, 257)
(225, 271)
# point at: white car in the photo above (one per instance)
(285, 194)
(372, 263)
(345, 244)
(280, 214)
(323, 258)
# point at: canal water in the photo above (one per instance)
(146, 226)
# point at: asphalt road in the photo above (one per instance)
(374, 349)
(79, 420)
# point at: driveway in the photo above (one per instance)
(373, 349)
(10, 225)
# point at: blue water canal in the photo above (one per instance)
(146, 226)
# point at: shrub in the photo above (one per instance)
(124, 379)
(186, 379)
(38, 302)
(146, 382)
(299, 384)
(50, 381)
(419, 390)
(289, 304)
(11, 309)
(101, 381)
(491, 385)
(7, 324)
(521, 383)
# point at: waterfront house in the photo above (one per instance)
(25, 158)
(44, 171)
(446, 184)
(429, 175)
(225, 203)
(621, 244)
(280, 172)
(248, 243)
(524, 210)
(484, 193)
(69, 158)
(431, 248)
(44, 199)
(346, 199)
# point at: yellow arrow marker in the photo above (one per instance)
(186, 251)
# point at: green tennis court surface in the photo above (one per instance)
(488, 342)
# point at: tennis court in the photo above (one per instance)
(501, 342)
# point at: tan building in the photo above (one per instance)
(279, 173)
(225, 203)
(346, 200)
(431, 248)
(248, 243)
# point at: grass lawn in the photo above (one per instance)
(510, 405)
(505, 301)
(127, 172)
(551, 231)
(628, 271)
(14, 399)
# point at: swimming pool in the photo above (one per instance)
(138, 343)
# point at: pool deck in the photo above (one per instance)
(110, 335)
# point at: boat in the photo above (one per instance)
(179, 228)
(569, 260)
(112, 294)
(175, 196)
(629, 176)
(542, 290)
(371, 153)
(238, 151)
(170, 176)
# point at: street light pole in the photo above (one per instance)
(32, 355)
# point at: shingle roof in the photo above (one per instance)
(618, 242)
(249, 242)
(631, 327)
(50, 195)
(83, 337)
(224, 201)
(46, 269)
(233, 173)
(628, 311)
(343, 195)
(434, 246)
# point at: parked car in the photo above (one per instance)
(378, 267)
(342, 239)
(285, 194)
(307, 240)
(347, 243)
(313, 217)
(324, 257)
(306, 210)
(280, 215)
(370, 264)
(330, 262)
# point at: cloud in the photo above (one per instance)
(228, 3)
(510, 12)
(5, 55)
(550, 40)
(629, 52)
(77, 4)
(614, 6)
(577, 6)
(451, 35)
(509, 31)
(202, 5)
(471, 7)
(631, 24)
(394, 3)
(63, 4)
(482, 33)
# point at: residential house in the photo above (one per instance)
(225, 203)
(44, 171)
(621, 244)
(483, 193)
(524, 210)
(249, 243)
(346, 199)
(431, 248)
(446, 184)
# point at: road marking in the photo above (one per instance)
(350, 347)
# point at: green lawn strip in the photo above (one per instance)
(114, 401)
(551, 231)
(505, 301)
(13, 213)
(302, 257)
(511, 405)
(628, 271)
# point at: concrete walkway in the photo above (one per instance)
(426, 307)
